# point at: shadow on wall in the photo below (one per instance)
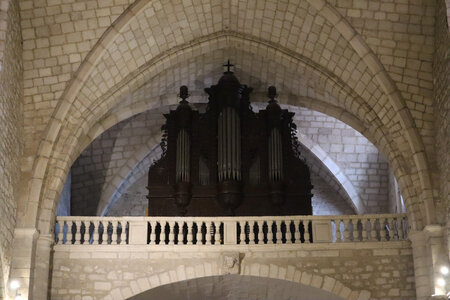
(235, 287)
(89, 173)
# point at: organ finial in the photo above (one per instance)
(272, 93)
(184, 93)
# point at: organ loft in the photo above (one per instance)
(229, 160)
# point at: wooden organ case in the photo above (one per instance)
(229, 160)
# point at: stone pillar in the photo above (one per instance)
(421, 264)
(438, 256)
(429, 254)
(22, 264)
(42, 266)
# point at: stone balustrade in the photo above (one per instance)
(230, 230)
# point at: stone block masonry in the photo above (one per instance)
(11, 143)
(441, 69)
(365, 270)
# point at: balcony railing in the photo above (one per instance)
(230, 230)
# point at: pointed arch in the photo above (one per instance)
(274, 271)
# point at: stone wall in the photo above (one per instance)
(57, 35)
(133, 202)
(359, 159)
(442, 107)
(96, 169)
(367, 270)
(326, 198)
(402, 36)
(11, 143)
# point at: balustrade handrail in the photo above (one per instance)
(295, 229)
(232, 218)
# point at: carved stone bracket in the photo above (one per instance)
(231, 263)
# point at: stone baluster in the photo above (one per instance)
(179, 233)
(251, 233)
(385, 230)
(114, 225)
(95, 234)
(394, 229)
(190, 235)
(171, 232)
(373, 230)
(297, 234)
(152, 232)
(120, 234)
(278, 232)
(101, 234)
(242, 234)
(346, 230)
(260, 232)
(289, 233)
(365, 228)
(369, 227)
(69, 232)
(337, 222)
(306, 226)
(60, 235)
(217, 240)
(390, 224)
(208, 233)
(84, 236)
(77, 232)
(270, 234)
(357, 230)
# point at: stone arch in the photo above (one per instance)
(288, 273)
(324, 106)
(112, 189)
(47, 148)
(336, 171)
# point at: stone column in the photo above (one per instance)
(23, 260)
(421, 264)
(438, 256)
(429, 254)
(42, 266)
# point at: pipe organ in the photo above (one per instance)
(229, 160)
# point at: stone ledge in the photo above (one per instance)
(239, 248)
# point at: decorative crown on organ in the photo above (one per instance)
(229, 160)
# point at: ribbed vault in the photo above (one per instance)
(310, 52)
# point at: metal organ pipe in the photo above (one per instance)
(182, 163)
(274, 116)
(219, 148)
(229, 152)
(275, 156)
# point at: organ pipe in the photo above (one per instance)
(182, 163)
(229, 152)
(183, 120)
(275, 142)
